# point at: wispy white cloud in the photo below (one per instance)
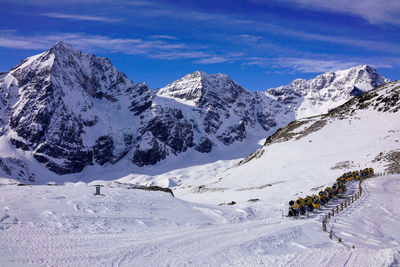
(145, 9)
(246, 24)
(213, 60)
(312, 65)
(374, 11)
(168, 37)
(166, 49)
(169, 49)
(250, 38)
(369, 45)
(172, 55)
(89, 42)
(20, 43)
(249, 24)
(79, 17)
(317, 65)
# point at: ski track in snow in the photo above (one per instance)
(63, 237)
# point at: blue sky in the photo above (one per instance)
(259, 43)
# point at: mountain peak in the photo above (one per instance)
(62, 47)
(62, 44)
(192, 88)
(318, 95)
(327, 90)
(366, 67)
(198, 73)
(358, 68)
(204, 75)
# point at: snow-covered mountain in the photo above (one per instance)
(311, 153)
(64, 106)
(70, 110)
(331, 89)
(226, 110)
(221, 99)
(64, 111)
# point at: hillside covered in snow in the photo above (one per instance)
(66, 225)
(363, 132)
(67, 112)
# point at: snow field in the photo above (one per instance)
(373, 232)
(67, 225)
(301, 167)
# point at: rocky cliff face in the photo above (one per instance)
(70, 110)
(52, 100)
(225, 110)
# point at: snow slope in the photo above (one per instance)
(364, 132)
(67, 225)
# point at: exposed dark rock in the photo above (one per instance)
(212, 122)
(171, 129)
(102, 150)
(138, 108)
(4, 167)
(19, 144)
(72, 165)
(153, 188)
(141, 98)
(266, 121)
(356, 92)
(204, 146)
(149, 156)
(234, 133)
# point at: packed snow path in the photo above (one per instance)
(67, 226)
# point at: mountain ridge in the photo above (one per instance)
(71, 110)
(327, 90)
(364, 132)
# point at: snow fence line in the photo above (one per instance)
(344, 205)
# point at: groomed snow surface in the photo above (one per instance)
(67, 225)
